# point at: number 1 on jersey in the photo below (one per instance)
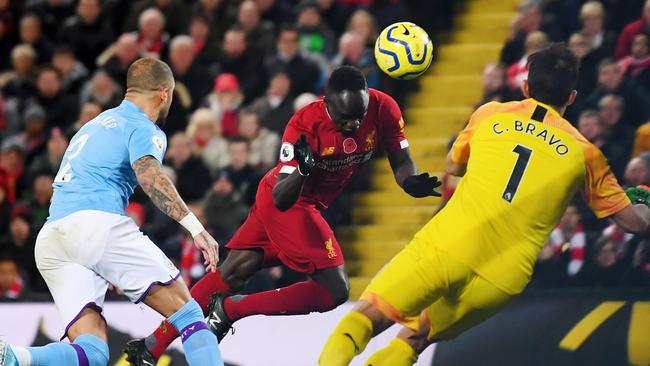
(517, 172)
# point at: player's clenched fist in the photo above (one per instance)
(639, 195)
(210, 249)
(421, 185)
(304, 156)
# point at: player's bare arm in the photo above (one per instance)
(457, 170)
(289, 186)
(160, 189)
(406, 175)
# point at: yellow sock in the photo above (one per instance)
(348, 340)
(397, 353)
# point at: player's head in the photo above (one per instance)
(346, 98)
(552, 76)
(152, 80)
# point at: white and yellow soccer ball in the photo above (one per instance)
(403, 50)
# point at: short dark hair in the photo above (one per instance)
(148, 74)
(64, 48)
(645, 158)
(49, 68)
(552, 74)
(346, 78)
(239, 139)
(287, 27)
(606, 62)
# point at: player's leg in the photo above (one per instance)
(231, 276)
(78, 293)
(404, 349)
(398, 293)
(134, 264)
(303, 241)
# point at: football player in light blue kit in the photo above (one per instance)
(89, 242)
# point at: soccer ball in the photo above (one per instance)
(403, 50)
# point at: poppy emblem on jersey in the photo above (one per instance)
(329, 246)
(286, 152)
(349, 145)
(328, 151)
(157, 142)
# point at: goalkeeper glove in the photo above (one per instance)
(639, 195)
(421, 185)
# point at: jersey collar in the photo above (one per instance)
(548, 107)
(131, 107)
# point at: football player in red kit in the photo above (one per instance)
(324, 145)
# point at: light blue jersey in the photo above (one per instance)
(96, 172)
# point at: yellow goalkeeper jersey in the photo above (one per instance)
(524, 165)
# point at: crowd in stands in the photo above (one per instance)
(242, 68)
(611, 38)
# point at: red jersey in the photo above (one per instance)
(338, 156)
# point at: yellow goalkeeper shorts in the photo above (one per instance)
(423, 280)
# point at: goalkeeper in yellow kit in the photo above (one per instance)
(521, 164)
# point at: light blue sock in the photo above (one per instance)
(86, 350)
(200, 345)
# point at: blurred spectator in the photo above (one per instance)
(642, 141)
(238, 59)
(173, 11)
(187, 72)
(40, 202)
(495, 87)
(12, 168)
(276, 107)
(638, 273)
(263, 144)
(529, 19)
(259, 33)
(219, 13)
(363, 23)
(20, 243)
(74, 73)
(224, 207)
(20, 82)
(193, 178)
(32, 34)
(301, 101)
(304, 73)
(579, 46)
(204, 42)
(204, 131)
(600, 40)
(117, 58)
(102, 90)
(639, 26)
(335, 14)
(224, 101)
(32, 138)
(315, 36)
(593, 128)
(11, 283)
(387, 12)
(353, 52)
(87, 112)
(637, 65)
(6, 44)
(87, 32)
(243, 176)
(48, 162)
(569, 240)
(518, 71)
(611, 81)
(5, 212)
(191, 259)
(136, 212)
(637, 171)
(275, 11)
(607, 267)
(61, 109)
(51, 12)
(151, 35)
(611, 109)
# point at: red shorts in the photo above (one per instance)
(300, 238)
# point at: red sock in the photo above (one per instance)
(165, 334)
(299, 298)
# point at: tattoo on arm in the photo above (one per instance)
(157, 185)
